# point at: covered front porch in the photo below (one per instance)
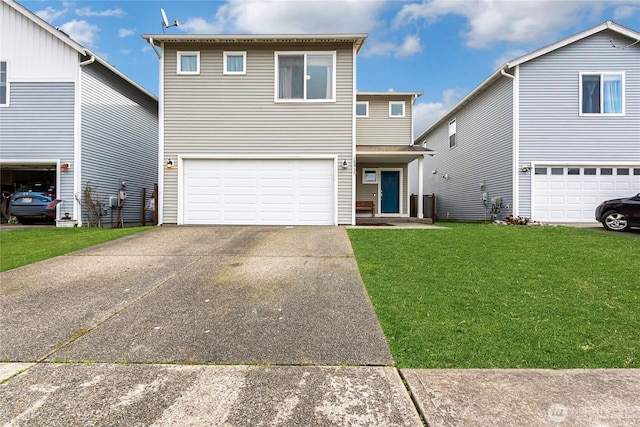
(382, 180)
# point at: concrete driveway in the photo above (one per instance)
(247, 326)
(242, 295)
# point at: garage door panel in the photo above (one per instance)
(573, 198)
(270, 192)
(623, 186)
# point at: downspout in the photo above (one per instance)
(504, 73)
(90, 60)
(77, 172)
(153, 46)
(515, 203)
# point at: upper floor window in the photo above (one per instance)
(601, 93)
(188, 62)
(362, 109)
(453, 140)
(305, 76)
(235, 63)
(4, 86)
(396, 108)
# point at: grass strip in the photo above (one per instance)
(485, 296)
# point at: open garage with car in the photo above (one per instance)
(28, 191)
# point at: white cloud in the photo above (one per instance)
(125, 32)
(81, 31)
(199, 26)
(426, 113)
(492, 21)
(624, 12)
(410, 46)
(50, 14)
(282, 17)
(87, 11)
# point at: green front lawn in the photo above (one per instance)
(26, 246)
(485, 296)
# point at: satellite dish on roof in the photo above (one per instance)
(165, 21)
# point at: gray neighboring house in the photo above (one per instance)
(70, 118)
(547, 136)
(262, 129)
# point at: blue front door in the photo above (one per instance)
(390, 191)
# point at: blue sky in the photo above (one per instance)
(443, 48)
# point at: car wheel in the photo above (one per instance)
(615, 221)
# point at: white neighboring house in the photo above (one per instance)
(70, 118)
(547, 136)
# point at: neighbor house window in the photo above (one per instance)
(601, 93)
(235, 63)
(188, 62)
(453, 139)
(4, 86)
(305, 76)
(396, 108)
(362, 109)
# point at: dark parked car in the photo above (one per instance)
(619, 214)
(33, 202)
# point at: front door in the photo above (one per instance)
(390, 192)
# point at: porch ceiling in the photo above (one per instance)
(391, 153)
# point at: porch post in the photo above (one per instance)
(420, 186)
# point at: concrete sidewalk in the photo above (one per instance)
(246, 326)
(200, 395)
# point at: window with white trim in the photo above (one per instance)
(235, 63)
(305, 76)
(362, 109)
(4, 85)
(453, 132)
(188, 63)
(396, 108)
(601, 93)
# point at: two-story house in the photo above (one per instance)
(384, 150)
(262, 129)
(547, 136)
(69, 118)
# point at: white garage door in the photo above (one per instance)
(262, 192)
(571, 194)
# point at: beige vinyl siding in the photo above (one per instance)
(370, 192)
(379, 128)
(212, 114)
